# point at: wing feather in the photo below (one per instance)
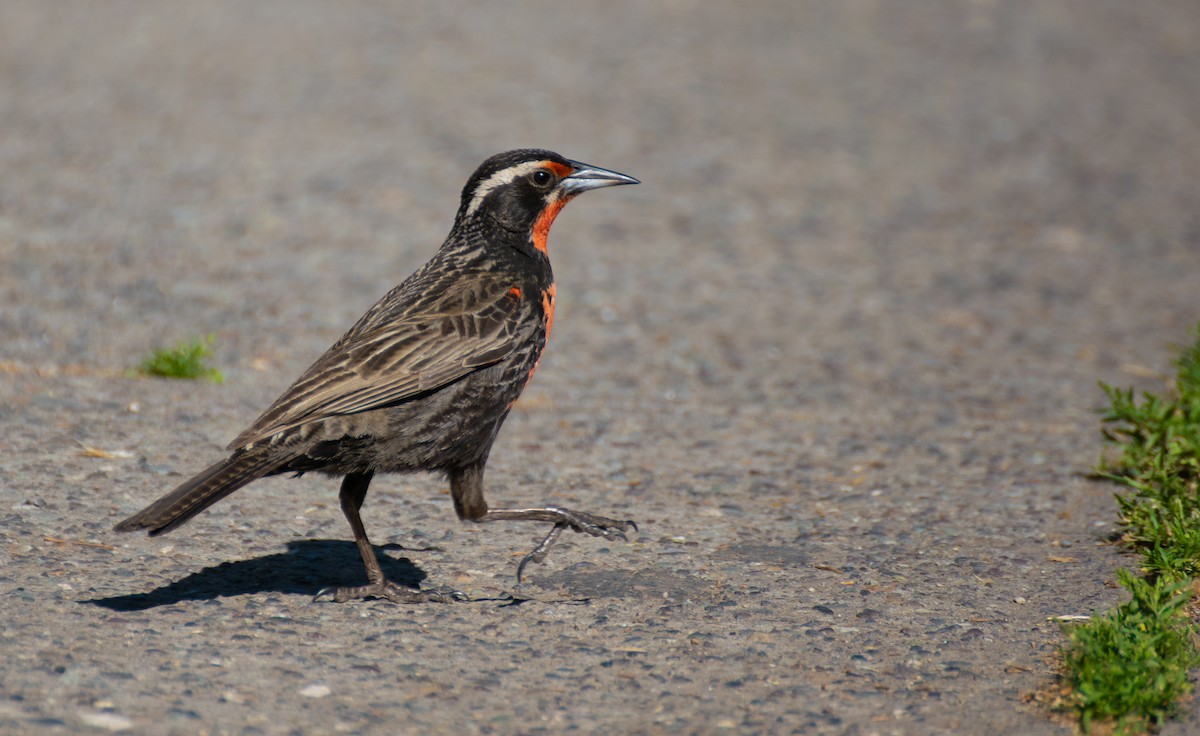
(395, 362)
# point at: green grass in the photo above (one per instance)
(186, 360)
(1129, 667)
(1159, 464)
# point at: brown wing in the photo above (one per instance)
(394, 362)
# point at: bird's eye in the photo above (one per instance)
(541, 177)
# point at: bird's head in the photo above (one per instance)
(522, 191)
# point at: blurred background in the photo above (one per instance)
(948, 159)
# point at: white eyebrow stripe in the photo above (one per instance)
(499, 179)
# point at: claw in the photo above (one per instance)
(521, 567)
(539, 552)
(445, 594)
(387, 590)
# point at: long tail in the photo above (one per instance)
(197, 494)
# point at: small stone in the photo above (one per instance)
(1019, 600)
(109, 721)
(316, 691)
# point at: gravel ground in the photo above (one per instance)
(837, 355)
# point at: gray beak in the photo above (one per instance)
(592, 177)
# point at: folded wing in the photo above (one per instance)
(394, 362)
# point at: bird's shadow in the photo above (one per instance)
(305, 568)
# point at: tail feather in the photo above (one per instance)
(198, 493)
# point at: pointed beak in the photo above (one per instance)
(587, 177)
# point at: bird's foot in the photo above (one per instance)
(387, 590)
(577, 521)
(593, 524)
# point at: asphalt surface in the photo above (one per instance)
(838, 355)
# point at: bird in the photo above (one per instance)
(424, 380)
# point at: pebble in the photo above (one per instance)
(108, 721)
(316, 691)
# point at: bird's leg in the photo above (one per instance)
(354, 491)
(576, 521)
(466, 489)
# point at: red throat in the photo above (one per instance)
(541, 226)
(548, 306)
(548, 309)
